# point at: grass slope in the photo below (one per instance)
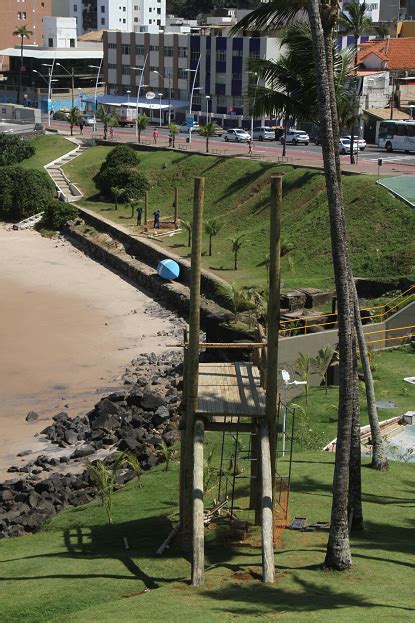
(48, 148)
(78, 570)
(381, 229)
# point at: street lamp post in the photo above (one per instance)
(191, 93)
(160, 96)
(140, 84)
(253, 106)
(98, 67)
(169, 79)
(51, 67)
(72, 75)
(207, 108)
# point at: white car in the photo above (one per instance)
(186, 128)
(89, 120)
(345, 146)
(360, 142)
(238, 135)
(264, 133)
(295, 137)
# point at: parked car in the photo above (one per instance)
(88, 120)
(278, 131)
(360, 142)
(345, 146)
(296, 137)
(263, 133)
(186, 128)
(238, 135)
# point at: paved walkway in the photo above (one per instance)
(66, 190)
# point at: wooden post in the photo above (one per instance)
(255, 483)
(183, 425)
(176, 205)
(145, 207)
(266, 504)
(198, 566)
(273, 315)
(192, 364)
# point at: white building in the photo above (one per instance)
(123, 15)
(59, 32)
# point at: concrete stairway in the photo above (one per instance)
(66, 190)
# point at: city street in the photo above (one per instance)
(268, 150)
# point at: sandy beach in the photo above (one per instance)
(68, 329)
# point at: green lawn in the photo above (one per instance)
(77, 569)
(48, 148)
(381, 229)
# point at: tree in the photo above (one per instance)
(321, 362)
(237, 242)
(207, 132)
(302, 366)
(212, 228)
(74, 117)
(237, 298)
(141, 123)
(187, 225)
(107, 119)
(355, 21)
(24, 192)
(117, 193)
(57, 214)
(23, 33)
(105, 477)
(174, 130)
(14, 149)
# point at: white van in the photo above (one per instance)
(263, 133)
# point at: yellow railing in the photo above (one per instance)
(388, 308)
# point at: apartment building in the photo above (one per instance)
(16, 13)
(170, 61)
(124, 15)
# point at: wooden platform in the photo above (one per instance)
(230, 390)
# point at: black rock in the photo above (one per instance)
(83, 451)
(106, 407)
(106, 422)
(152, 401)
(60, 417)
(70, 436)
(135, 396)
(117, 396)
(129, 444)
(6, 496)
(32, 416)
(171, 437)
(161, 415)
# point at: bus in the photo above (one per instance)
(393, 135)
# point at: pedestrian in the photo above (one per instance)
(81, 125)
(156, 216)
(139, 215)
(170, 139)
(250, 146)
(155, 135)
(111, 134)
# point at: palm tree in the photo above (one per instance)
(105, 477)
(238, 298)
(107, 119)
(212, 228)
(208, 131)
(303, 365)
(141, 122)
(354, 20)
(187, 225)
(322, 361)
(23, 33)
(74, 117)
(117, 193)
(173, 129)
(237, 242)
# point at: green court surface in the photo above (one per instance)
(402, 186)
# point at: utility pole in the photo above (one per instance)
(73, 85)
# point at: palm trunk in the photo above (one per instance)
(338, 554)
(71, 129)
(105, 131)
(235, 261)
(355, 511)
(284, 146)
(210, 245)
(19, 86)
(352, 158)
(207, 144)
(139, 135)
(379, 458)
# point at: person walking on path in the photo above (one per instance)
(139, 215)
(81, 126)
(156, 215)
(155, 135)
(250, 146)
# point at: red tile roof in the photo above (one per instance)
(396, 53)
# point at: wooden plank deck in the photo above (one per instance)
(230, 390)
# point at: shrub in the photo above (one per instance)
(23, 192)
(133, 182)
(14, 149)
(119, 165)
(57, 214)
(121, 155)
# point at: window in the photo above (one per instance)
(112, 66)
(125, 70)
(401, 130)
(220, 78)
(124, 21)
(136, 20)
(168, 50)
(139, 50)
(50, 42)
(410, 130)
(237, 53)
(197, 99)
(135, 7)
(154, 48)
(236, 76)
(75, 8)
(19, 15)
(182, 73)
(182, 52)
(221, 55)
(123, 9)
(102, 21)
(194, 54)
(221, 101)
(24, 15)
(102, 9)
(254, 54)
(238, 102)
(153, 68)
(159, 22)
(126, 49)
(158, 11)
(71, 43)
(112, 46)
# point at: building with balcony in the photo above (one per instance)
(123, 15)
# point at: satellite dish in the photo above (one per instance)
(150, 95)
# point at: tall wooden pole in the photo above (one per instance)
(267, 491)
(273, 315)
(145, 207)
(198, 561)
(192, 363)
(176, 205)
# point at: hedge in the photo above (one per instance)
(23, 192)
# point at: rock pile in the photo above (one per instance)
(138, 418)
